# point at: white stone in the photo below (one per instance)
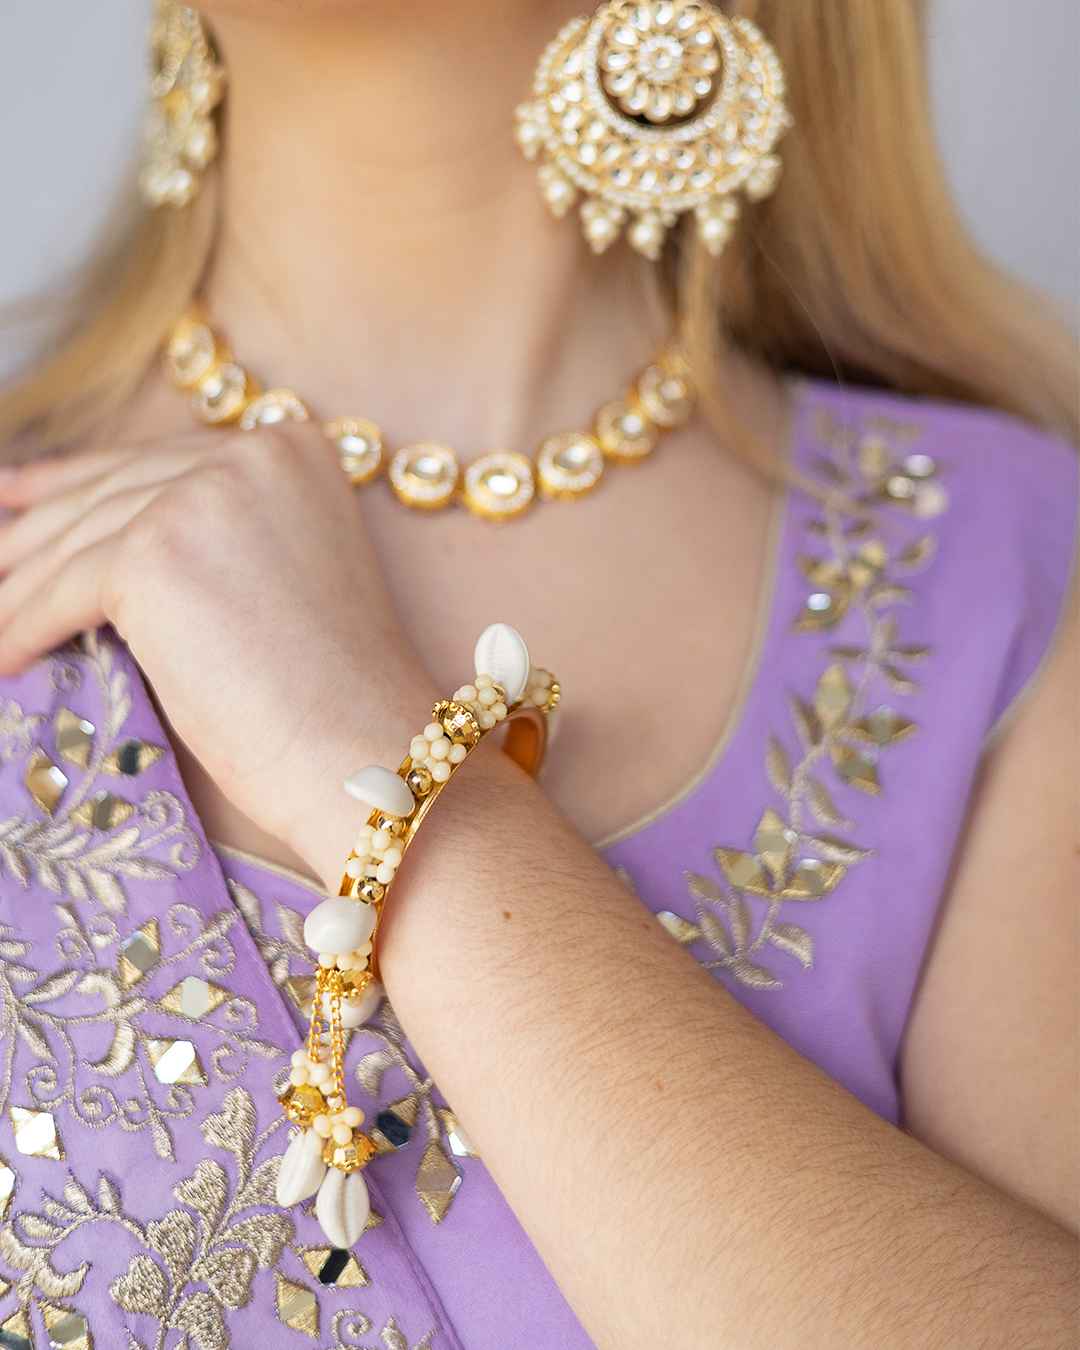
(355, 1012)
(339, 925)
(381, 788)
(302, 1170)
(343, 1207)
(501, 653)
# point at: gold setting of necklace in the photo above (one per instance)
(427, 476)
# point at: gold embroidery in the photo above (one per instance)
(80, 847)
(17, 730)
(66, 1330)
(35, 1133)
(331, 1266)
(176, 1062)
(74, 737)
(395, 1339)
(139, 953)
(45, 781)
(297, 1306)
(7, 1187)
(64, 1075)
(437, 1177)
(839, 730)
(16, 1331)
(230, 1238)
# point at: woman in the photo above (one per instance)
(814, 716)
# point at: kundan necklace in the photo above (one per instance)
(427, 476)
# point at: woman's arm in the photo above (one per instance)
(990, 1065)
(689, 1178)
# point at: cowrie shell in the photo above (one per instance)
(302, 1170)
(501, 653)
(339, 925)
(342, 1207)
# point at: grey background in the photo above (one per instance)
(71, 90)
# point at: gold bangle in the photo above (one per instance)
(343, 931)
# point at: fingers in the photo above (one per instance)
(68, 600)
(50, 517)
(27, 585)
(28, 483)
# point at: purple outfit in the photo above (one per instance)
(151, 984)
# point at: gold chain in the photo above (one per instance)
(500, 485)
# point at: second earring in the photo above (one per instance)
(650, 111)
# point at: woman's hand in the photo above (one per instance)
(238, 570)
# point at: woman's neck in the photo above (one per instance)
(385, 249)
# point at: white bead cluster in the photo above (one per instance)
(434, 751)
(305, 1071)
(541, 690)
(338, 1125)
(485, 700)
(357, 959)
(378, 852)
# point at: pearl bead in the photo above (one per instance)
(484, 681)
(487, 696)
(299, 1059)
(355, 1012)
(466, 694)
(327, 960)
(353, 868)
(457, 754)
(440, 748)
(342, 1134)
(385, 873)
(440, 771)
(353, 1116)
(318, 1074)
(500, 710)
(322, 1126)
(393, 855)
(418, 747)
(298, 1076)
(433, 731)
(486, 720)
(381, 839)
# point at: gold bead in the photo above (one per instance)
(370, 890)
(420, 781)
(391, 824)
(303, 1104)
(458, 721)
(350, 1157)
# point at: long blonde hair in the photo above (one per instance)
(857, 268)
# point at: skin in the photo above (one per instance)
(547, 1004)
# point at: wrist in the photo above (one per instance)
(370, 724)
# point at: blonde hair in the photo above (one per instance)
(857, 268)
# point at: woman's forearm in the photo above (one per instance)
(688, 1178)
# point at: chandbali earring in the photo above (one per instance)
(649, 111)
(186, 85)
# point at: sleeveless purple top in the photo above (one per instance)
(150, 983)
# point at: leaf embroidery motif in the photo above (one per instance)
(840, 733)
